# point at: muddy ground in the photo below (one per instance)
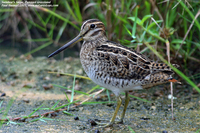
(25, 85)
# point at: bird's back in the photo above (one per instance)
(115, 66)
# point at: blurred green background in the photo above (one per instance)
(171, 29)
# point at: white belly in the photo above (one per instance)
(116, 85)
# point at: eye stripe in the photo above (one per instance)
(93, 20)
(85, 33)
(89, 21)
(100, 25)
(96, 32)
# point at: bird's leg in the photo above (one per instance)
(119, 102)
(127, 98)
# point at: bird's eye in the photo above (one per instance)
(92, 26)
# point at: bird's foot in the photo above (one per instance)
(108, 124)
(104, 125)
(119, 122)
(100, 124)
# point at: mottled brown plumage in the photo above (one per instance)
(114, 66)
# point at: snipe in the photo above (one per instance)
(114, 66)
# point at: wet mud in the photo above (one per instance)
(25, 85)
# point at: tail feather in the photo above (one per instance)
(162, 66)
(159, 78)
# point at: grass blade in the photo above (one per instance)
(77, 10)
(132, 131)
(66, 105)
(78, 76)
(39, 48)
(145, 18)
(144, 100)
(175, 69)
(80, 92)
(98, 102)
(55, 104)
(58, 16)
(35, 110)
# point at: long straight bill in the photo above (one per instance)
(72, 42)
